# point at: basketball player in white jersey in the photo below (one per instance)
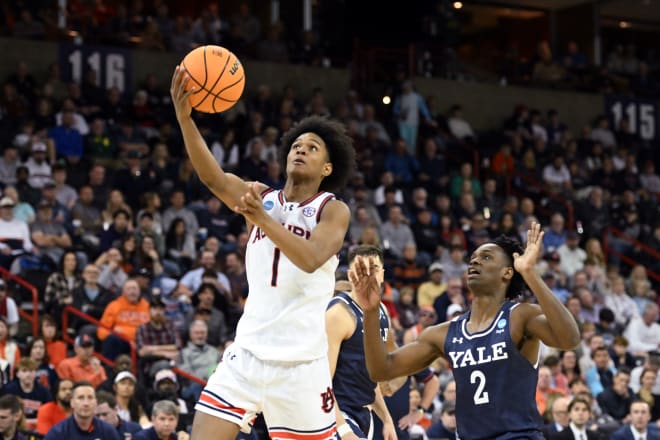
(278, 363)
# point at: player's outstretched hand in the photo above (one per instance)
(180, 96)
(527, 261)
(365, 283)
(251, 206)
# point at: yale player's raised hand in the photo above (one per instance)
(251, 206)
(526, 262)
(365, 283)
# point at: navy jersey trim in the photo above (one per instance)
(323, 203)
(483, 333)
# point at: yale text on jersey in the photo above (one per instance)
(483, 355)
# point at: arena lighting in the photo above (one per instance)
(458, 5)
(624, 24)
(386, 100)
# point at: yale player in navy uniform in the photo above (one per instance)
(355, 392)
(493, 348)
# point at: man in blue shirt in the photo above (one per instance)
(82, 425)
(106, 410)
(164, 417)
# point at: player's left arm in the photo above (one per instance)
(380, 408)
(391, 386)
(552, 323)
(325, 240)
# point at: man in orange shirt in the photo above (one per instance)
(123, 315)
(83, 366)
(52, 413)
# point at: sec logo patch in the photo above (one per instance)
(309, 211)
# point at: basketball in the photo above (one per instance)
(217, 76)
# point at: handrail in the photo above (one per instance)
(88, 318)
(188, 376)
(34, 318)
(625, 258)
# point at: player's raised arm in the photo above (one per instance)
(227, 187)
(553, 324)
(409, 359)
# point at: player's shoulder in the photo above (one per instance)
(435, 335)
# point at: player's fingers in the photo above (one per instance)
(175, 78)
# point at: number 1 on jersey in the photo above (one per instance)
(276, 263)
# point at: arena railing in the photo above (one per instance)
(70, 310)
(612, 231)
(32, 317)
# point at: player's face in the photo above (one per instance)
(487, 267)
(308, 156)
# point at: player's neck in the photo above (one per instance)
(484, 308)
(299, 191)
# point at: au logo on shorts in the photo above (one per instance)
(327, 400)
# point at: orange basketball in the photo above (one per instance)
(217, 76)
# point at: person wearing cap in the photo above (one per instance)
(8, 309)
(123, 315)
(31, 392)
(106, 410)
(54, 412)
(83, 365)
(83, 423)
(130, 406)
(14, 234)
(50, 237)
(157, 340)
(429, 290)
(571, 255)
(23, 211)
(166, 387)
(39, 170)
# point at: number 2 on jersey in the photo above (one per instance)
(480, 397)
(276, 263)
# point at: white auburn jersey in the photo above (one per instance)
(284, 315)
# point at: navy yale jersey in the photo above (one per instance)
(495, 383)
(352, 385)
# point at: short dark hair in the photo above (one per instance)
(103, 396)
(577, 400)
(11, 402)
(80, 384)
(511, 246)
(365, 250)
(597, 349)
(339, 145)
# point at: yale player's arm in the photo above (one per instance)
(390, 387)
(380, 408)
(226, 186)
(339, 325)
(325, 240)
(552, 323)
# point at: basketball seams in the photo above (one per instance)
(209, 90)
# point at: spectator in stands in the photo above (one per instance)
(107, 411)
(197, 358)
(206, 298)
(616, 399)
(9, 162)
(46, 375)
(466, 174)
(647, 381)
(409, 270)
(426, 317)
(10, 353)
(31, 392)
(38, 167)
(87, 217)
(116, 231)
(50, 237)
(83, 420)
(601, 376)
(594, 214)
(123, 315)
(235, 272)
(602, 133)
(569, 365)
(61, 284)
(643, 332)
(620, 355)
(83, 365)
(579, 413)
(8, 309)
(429, 290)
(458, 126)
(546, 71)
(395, 233)
(57, 350)
(589, 308)
(147, 228)
(453, 261)
(177, 209)
(23, 211)
(14, 234)
(192, 279)
(408, 106)
(133, 180)
(571, 255)
(649, 180)
(589, 343)
(620, 303)
(101, 188)
(444, 428)
(180, 246)
(558, 379)
(559, 417)
(157, 340)
(90, 298)
(556, 176)
(129, 406)
(402, 164)
(112, 276)
(53, 412)
(164, 418)
(639, 426)
(544, 391)
(11, 414)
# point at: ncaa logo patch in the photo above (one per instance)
(268, 205)
(501, 323)
(309, 211)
